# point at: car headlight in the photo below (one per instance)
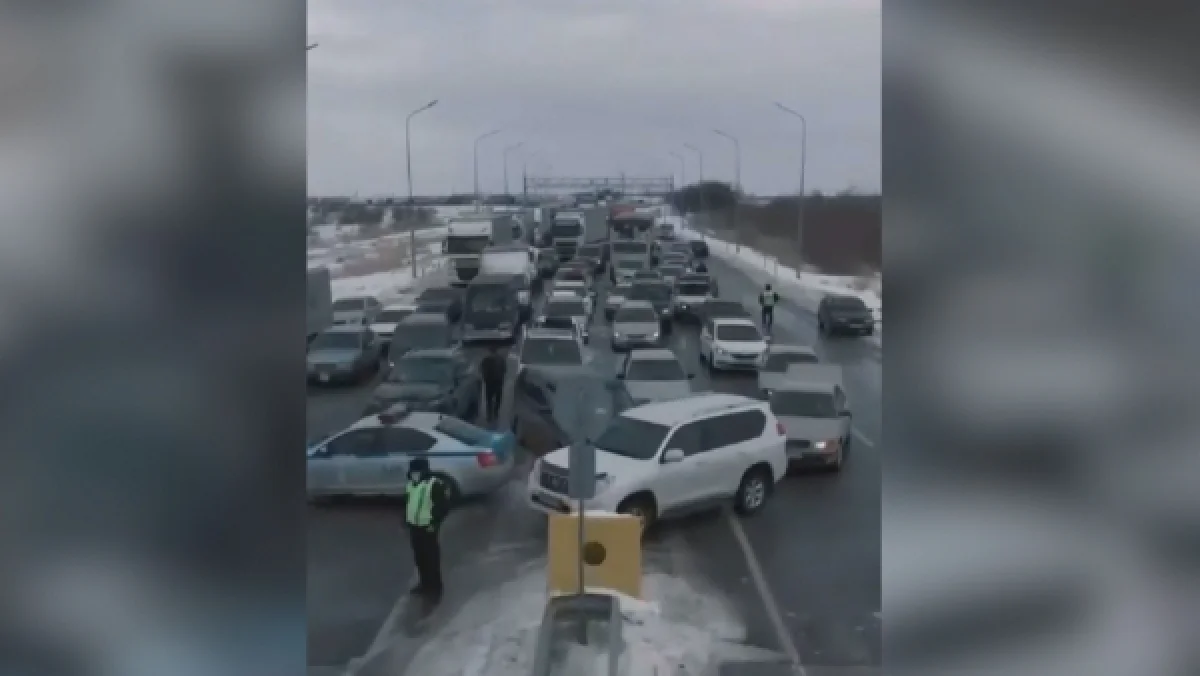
(654, 336)
(825, 444)
(617, 335)
(719, 350)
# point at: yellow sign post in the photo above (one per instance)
(611, 553)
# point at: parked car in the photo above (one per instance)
(660, 295)
(647, 276)
(422, 331)
(636, 324)
(815, 415)
(593, 255)
(553, 410)
(670, 458)
(844, 314)
(344, 353)
(571, 306)
(371, 457)
(388, 318)
(655, 375)
(691, 292)
(355, 310)
(778, 359)
(442, 380)
(732, 343)
(445, 300)
(547, 262)
(615, 298)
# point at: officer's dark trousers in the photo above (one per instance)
(427, 555)
(494, 393)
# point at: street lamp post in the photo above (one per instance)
(803, 163)
(478, 139)
(700, 183)
(508, 150)
(412, 233)
(737, 184)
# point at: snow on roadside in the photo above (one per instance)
(678, 630)
(810, 287)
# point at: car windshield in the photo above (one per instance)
(628, 247)
(422, 336)
(620, 291)
(467, 245)
(639, 315)
(550, 352)
(671, 271)
(724, 308)
(562, 322)
(568, 274)
(803, 404)
(650, 292)
(489, 299)
(693, 289)
(637, 439)
(647, 274)
(589, 251)
(780, 361)
(422, 370)
(566, 229)
(349, 304)
(738, 332)
(846, 303)
(336, 340)
(565, 308)
(393, 316)
(630, 265)
(655, 369)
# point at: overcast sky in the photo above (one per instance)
(592, 88)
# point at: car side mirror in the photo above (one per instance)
(672, 455)
(691, 376)
(846, 414)
(620, 376)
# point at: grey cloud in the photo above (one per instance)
(592, 91)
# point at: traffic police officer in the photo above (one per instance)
(425, 507)
(767, 299)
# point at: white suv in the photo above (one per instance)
(674, 457)
(732, 343)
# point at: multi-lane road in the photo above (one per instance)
(803, 577)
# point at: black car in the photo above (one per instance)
(446, 300)
(593, 255)
(440, 380)
(422, 331)
(551, 411)
(715, 308)
(547, 262)
(659, 294)
(844, 314)
(699, 248)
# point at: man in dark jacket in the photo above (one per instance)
(492, 369)
(425, 508)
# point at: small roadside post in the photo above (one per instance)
(581, 486)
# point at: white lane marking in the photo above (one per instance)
(863, 438)
(764, 592)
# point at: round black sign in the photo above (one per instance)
(594, 553)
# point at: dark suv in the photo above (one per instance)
(551, 411)
(844, 314)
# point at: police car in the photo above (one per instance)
(371, 457)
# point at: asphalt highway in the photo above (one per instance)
(803, 575)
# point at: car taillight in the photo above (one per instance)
(779, 429)
(486, 459)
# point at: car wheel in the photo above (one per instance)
(753, 491)
(641, 508)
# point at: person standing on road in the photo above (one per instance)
(493, 369)
(425, 507)
(767, 299)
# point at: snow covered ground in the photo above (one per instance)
(677, 631)
(806, 288)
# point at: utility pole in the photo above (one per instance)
(508, 150)
(737, 185)
(803, 163)
(412, 233)
(478, 139)
(682, 167)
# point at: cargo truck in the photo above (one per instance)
(466, 238)
(573, 228)
(514, 259)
